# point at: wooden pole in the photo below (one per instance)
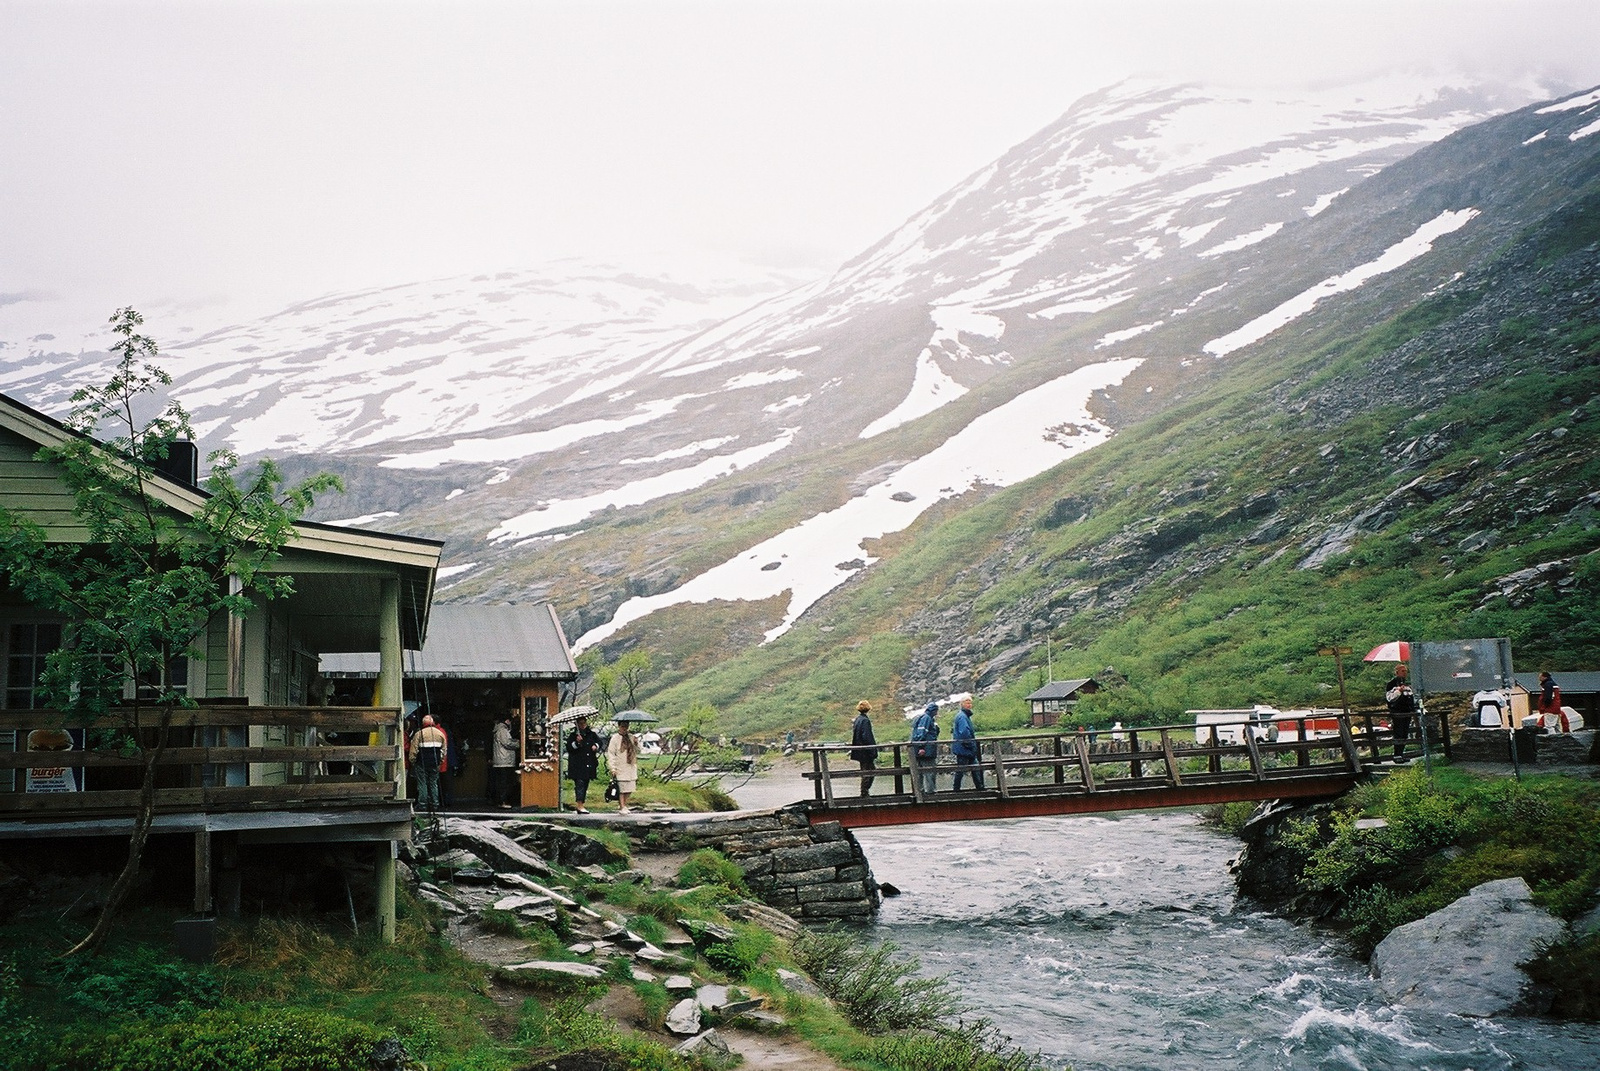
(383, 876)
(202, 872)
(390, 671)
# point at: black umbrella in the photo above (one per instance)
(634, 716)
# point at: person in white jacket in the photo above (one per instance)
(502, 762)
(622, 757)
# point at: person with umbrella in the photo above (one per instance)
(1402, 704)
(622, 756)
(583, 760)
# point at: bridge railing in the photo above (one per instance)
(1080, 761)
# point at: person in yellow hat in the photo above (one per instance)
(863, 745)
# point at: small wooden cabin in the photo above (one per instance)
(1057, 699)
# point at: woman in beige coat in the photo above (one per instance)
(622, 757)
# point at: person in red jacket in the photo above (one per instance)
(1550, 700)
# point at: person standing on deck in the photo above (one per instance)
(503, 758)
(864, 745)
(964, 746)
(1402, 704)
(427, 756)
(925, 733)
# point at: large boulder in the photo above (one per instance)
(1466, 958)
(493, 847)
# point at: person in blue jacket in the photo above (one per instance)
(924, 734)
(964, 746)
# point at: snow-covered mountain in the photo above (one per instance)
(1094, 269)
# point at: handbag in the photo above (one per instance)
(613, 791)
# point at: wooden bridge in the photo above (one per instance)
(1083, 772)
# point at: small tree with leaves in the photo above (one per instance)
(143, 589)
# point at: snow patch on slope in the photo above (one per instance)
(930, 389)
(561, 513)
(1403, 252)
(1013, 442)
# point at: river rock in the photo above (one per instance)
(1465, 958)
(795, 982)
(684, 1018)
(709, 1049)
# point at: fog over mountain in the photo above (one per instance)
(1092, 275)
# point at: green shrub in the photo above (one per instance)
(564, 1027)
(504, 923)
(1230, 818)
(738, 957)
(255, 1039)
(707, 866)
(876, 989)
(19, 1034)
(142, 983)
(970, 1047)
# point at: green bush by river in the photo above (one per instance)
(1398, 849)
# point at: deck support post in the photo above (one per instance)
(383, 878)
(202, 872)
(391, 690)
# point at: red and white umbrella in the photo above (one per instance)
(1393, 651)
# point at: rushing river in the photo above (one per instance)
(1117, 944)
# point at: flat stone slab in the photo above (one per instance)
(535, 969)
(493, 847)
(1466, 957)
(679, 983)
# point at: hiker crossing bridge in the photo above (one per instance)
(1084, 772)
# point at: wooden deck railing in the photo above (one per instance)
(217, 758)
(1080, 762)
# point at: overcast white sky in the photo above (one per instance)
(165, 152)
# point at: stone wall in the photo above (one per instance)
(814, 873)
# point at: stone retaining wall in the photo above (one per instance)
(814, 873)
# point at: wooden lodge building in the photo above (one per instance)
(248, 770)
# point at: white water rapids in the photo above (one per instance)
(1116, 943)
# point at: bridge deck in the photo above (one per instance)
(1078, 772)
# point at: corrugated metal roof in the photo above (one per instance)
(1571, 683)
(1059, 689)
(467, 640)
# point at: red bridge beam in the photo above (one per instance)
(973, 810)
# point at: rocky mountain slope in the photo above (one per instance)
(1413, 459)
(1163, 275)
